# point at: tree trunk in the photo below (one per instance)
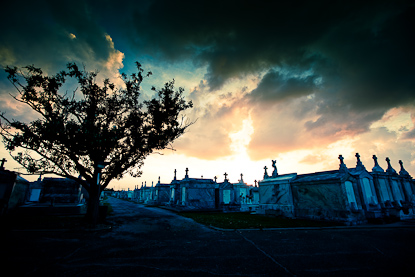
(92, 213)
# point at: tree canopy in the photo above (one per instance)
(95, 129)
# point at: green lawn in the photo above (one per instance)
(241, 220)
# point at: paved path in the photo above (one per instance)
(155, 242)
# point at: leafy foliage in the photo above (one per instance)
(92, 125)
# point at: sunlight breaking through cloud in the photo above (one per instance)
(241, 138)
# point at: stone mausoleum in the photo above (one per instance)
(349, 195)
(200, 194)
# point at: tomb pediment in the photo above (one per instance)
(360, 173)
(325, 176)
(280, 178)
(225, 185)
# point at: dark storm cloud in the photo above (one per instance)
(38, 32)
(275, 86)
(361, 53)
(238, 37)
(349, 44)
(233, 38)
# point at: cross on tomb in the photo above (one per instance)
(215, 179)
(2, 163)
(226, 174)
(265, 173)
(359, 164)
(343, 167)
(376, 168)
(187, 172)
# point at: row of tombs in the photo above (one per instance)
(348, 195)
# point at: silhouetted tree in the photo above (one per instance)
(94, 134)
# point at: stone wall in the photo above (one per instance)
(324, 202)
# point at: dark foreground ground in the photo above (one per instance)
(154, 242)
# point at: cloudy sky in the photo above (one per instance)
(298, 81)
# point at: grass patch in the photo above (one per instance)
(243, 220)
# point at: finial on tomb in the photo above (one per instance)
(342, 167)
(359, 164)
(390, 170)
(266, 173)
(403, 172)
(377, 167)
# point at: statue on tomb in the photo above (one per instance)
(175, 171)
(275, 172)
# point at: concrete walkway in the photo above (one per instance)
(154, 242)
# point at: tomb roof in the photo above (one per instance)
(11, 175)
(197, 180)
(161, 185)
(280, 177)
(225, 185)
(320, 176)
